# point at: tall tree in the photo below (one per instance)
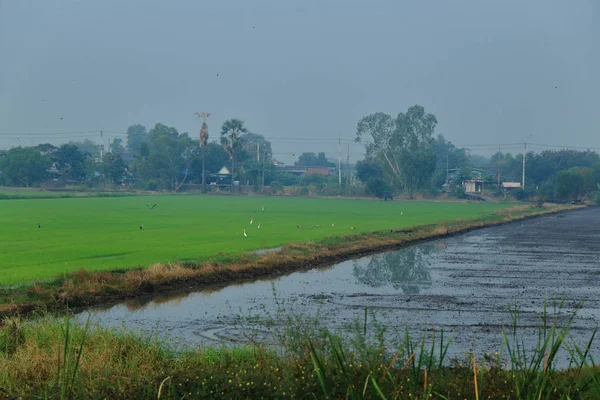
(403, 147)
(203, 142)
(413, 139)
(449, 156)
(313, 160)
(570, 184)
(23, 166)
(113, 167)
(376, 131)
(231, 130)
(116, 146)
(166, 158)
(70, 158)
(136, 135)
(255, 154)
(88, 147)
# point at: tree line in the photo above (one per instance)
(402, 155)
(157, 159)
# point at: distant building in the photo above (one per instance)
(278, 164)
(301, 171)
(473, 186)
(320, 171)
(223, 177)
(511, 185)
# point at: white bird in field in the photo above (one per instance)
(299, 226)
(317, 225)
(142, 226)
(259, 225)
(352, 228)
(401, 212)
(263, 208)
(245, 235)
(333, 224)
(251, 221)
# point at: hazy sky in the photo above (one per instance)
(488, 70)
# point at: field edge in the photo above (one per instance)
(82, 288)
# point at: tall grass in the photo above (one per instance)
(59, 359)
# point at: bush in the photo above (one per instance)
(277, 187)
(458, 191)
(378, 187)
(539, 201)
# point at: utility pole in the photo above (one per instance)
(203, 140)
(447, 169)
(348, 170)
(339, 161)
(258, 151)
(101, 146)
(524, 156)
(498, 166)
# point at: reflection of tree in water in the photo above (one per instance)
(404, 269)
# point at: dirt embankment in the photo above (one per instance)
(88, 288)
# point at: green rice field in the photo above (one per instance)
(103, 233)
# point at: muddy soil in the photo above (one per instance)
(465, 284)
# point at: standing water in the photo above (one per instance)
(465, 285)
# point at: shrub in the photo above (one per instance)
(378, 187)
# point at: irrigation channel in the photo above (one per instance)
(465, 285)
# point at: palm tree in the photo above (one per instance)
(203, 142)
(230, 140)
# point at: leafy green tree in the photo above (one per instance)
(570, 185)
(403, 147)
(596, 195)
(87, 147)
(166, 158)
(46, 149)
(366, 170)
(413, 140)
(215, 158)
(378, 187)
(376, 132)
(136, 135)
(255, 156)
(23, 166)
(231, 130)
(595, 173)
(113, 167)
(313, 160)
(116, 146)
(541, 166)
(318, 181)
(72, 161)
(447, 155)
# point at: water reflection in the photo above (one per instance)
(404, 269)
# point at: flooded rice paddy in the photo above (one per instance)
(465, 285)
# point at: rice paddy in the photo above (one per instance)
(43, 238)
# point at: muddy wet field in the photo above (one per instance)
(464, 284)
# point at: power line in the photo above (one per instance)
(15, 134)
(275, 139)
